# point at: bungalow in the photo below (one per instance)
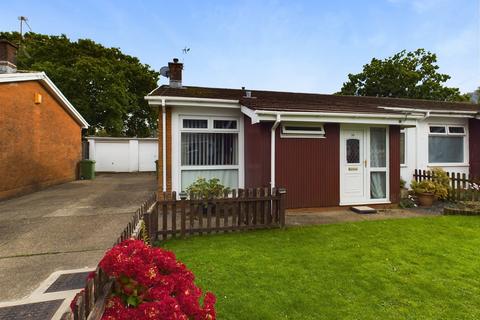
(41, 132)
(326, 150)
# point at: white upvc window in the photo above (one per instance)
(446, 144)
(209, 148)
(302, 130)
(403, 147)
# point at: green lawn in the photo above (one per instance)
(420, 268)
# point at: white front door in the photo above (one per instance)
(363, 165)
(352, 163)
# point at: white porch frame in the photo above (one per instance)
(367, 168)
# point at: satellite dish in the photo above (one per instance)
(165, 71)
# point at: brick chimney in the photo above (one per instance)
(8, 57)
(175, 73)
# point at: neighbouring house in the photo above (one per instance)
(326, 150)
(112, 154)
(41, 132)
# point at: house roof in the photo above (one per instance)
(312, 102)
(51, 88)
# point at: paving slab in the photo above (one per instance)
(311, 216)
(32, 311)
(67, 226)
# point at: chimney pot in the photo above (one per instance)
(8, 57)
(175, 73)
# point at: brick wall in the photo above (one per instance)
(40, 143)
(169, 149)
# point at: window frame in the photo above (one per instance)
(285, 133)
(405, 152)
(448, 134)
(209, 129)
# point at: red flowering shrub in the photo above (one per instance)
(151, 284)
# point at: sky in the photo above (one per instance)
(304, 46)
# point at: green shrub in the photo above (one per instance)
(402, 183)
(442, 183)
(207, 189)
(424, 186)
(439, 185)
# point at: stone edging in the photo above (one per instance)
(457, 211)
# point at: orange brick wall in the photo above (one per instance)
(169, 150)
(40, 143)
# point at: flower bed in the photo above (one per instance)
(149, 283)
(470, 208)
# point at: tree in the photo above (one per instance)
(411, 75)
(475, 96)
(106, 86)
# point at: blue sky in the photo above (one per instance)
(307, 46)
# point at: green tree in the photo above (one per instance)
(411, 75)
(106, 86)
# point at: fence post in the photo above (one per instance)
(183, 197)
(282, 192)
(147, 221)
(154, 223)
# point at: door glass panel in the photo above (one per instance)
(378, 147)
(353, 151)
(378, 185)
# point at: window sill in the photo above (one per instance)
(448, 165)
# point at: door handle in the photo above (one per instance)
(365, 162)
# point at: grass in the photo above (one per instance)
(421, 268)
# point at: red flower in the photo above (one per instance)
(152, 284)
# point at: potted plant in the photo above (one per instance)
(425, 191)
(207, 190)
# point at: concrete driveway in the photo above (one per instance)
(64, 227)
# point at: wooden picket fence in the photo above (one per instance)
(462, 187)
(133, 227)
(170, 217)
(90, 303)
(237, 210)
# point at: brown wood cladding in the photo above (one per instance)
(257, 153)
(394, 145)
(309, 169)
(474, 144)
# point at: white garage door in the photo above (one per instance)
(112, 156)
(147, 154)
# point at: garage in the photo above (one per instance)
(123, 154)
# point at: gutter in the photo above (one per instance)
(339, 114)
(272, 151)
(432, 112)
(164, 147)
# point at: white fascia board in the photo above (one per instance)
(322, 117)
(192, 102)
(50, 86)
(431, 111)
(70, 108)
(250, 113)
(14, 77)
(450, 115)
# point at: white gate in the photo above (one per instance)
(123, 154)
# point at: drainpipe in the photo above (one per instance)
(272, 152)
(164, 146)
